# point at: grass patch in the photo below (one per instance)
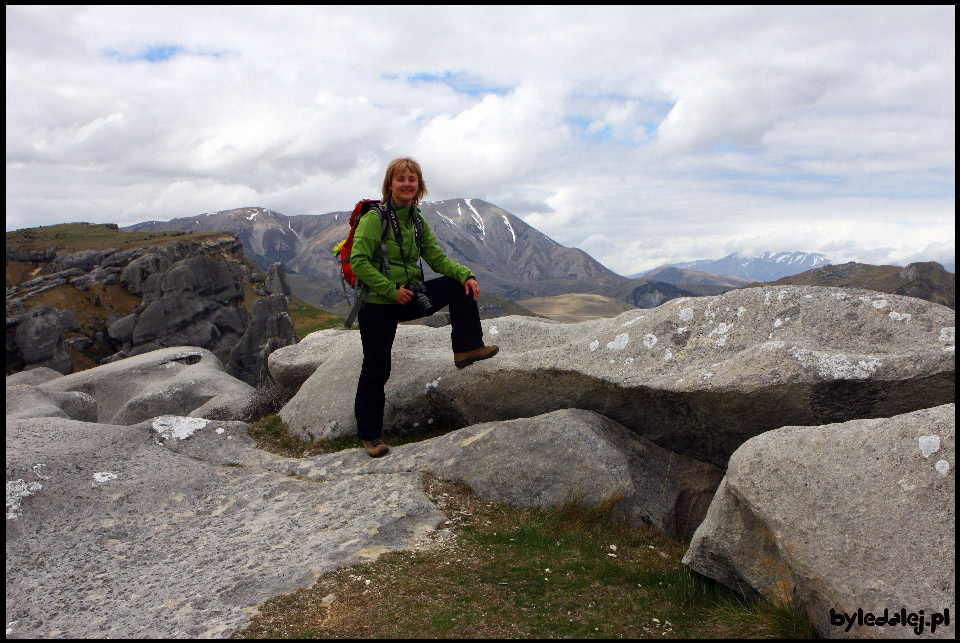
(272, 434)
(309, 319)
(574, 573)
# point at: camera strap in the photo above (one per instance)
(398, 235)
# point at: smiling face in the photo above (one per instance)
(404, 182)
(404, 187)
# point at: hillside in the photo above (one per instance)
(924, 280)
(687, 277)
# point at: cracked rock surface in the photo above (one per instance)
(119, 531)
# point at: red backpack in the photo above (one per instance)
(343, 248)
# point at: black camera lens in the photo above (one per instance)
(420, 298)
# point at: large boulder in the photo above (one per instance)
(38, 339)
(842, 517)
(112, 535)
(696, 376)
(171, 381)
(564, 456)
(293, 365)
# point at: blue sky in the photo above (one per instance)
(642, 135)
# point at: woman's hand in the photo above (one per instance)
(404, 295)
(470, 286)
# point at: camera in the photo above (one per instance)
(420, 298)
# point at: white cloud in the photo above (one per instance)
(643, 135)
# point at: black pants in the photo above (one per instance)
(378, 327)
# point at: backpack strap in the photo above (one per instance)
(361, 287)
(386, 221)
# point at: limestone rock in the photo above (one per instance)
(697, 376)
(114, 533)
(567, 455)
(857, 515)
(276, 281)
(182, 516)
(270, 328)
(25, 401)
(137, 271)
(40, 342)
(194, 303)
(33, 377)
(192, 296)
(171, 381)
(292, 365)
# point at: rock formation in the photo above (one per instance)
(192, 296)
(857, 515)
(180, 539)
(38, 339)
(276, 281)
(698, 376)
(113, 532)
(270, 328)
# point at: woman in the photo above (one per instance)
(389, 300)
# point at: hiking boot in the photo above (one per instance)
(469, 357)
(376, 448)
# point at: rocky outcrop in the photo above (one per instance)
(843, 517)
(271, 322)
(276, 281)
(698, 376)
(646, 407)
(133, 532)
(192, 296)
(195, 302)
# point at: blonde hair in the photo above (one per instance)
(398, 165)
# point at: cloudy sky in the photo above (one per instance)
(641, 135)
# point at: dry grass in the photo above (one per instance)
(572, 308)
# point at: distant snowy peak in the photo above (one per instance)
(767, 266)
(484, 222)
(810, 259)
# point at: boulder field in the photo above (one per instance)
(802, 437)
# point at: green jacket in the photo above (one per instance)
(366, 257)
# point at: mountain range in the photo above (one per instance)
(510, 258)
(767, 266)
